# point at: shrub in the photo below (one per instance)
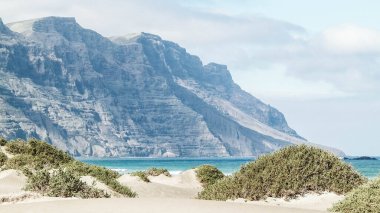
(223, 189)
(96, 171)
(47, 153)
(3, 158)
(17, 147)
(157, 171)
(365, 198)
(61, 183)
(292, 171)
(142, 175)
(31, 162)
(104, 175)
(3, 141)
(208, 174)
(20, 161)
(37, 155)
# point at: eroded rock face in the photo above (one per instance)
(126, 96)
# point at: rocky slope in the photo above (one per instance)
(126, 96)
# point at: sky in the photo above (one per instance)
(316, 61)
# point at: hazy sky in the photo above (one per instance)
(316, 61)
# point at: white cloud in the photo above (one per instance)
(341, 60)
(275, 83)
(351, 39)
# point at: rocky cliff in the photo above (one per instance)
(126, 96)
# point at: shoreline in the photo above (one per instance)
(369, 169)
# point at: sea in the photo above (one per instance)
(368, 168)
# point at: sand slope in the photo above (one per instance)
(163, 194)
(183, 185)
(145, 205)
(312, 201)
(12, 181)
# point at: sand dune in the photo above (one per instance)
(162, 194)
(309, 201)
(145, 205)
(183, 185)
(12, 181)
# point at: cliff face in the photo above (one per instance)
(126, 96)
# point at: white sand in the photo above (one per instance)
(2, 149)
(12, 181)
(12, 184)
(183, 185)
(309, 201)
(145, 205)
(163, 194)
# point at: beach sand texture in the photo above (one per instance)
(144, 205)
(163, 194)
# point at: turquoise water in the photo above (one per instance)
(369, 168)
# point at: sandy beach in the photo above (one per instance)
(162, 194)
(144, 205)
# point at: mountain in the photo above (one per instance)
(133, 95)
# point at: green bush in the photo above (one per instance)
(157, 171)
(290, 172)
(17, 147)
(31, 162)
(142, 175)
(61, 183)
(223, 189)
(20, 161)
(47, 153)
(3, 141)
(365, 198)
(208, 174)
(34, 156)
(104, 175)
(3, 158)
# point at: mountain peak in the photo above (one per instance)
(47, 25)
(218, 74)
(132, 37)
(150, 36)
(4, 29)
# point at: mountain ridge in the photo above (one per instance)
(119, 96)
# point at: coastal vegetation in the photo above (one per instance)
(2, 141)
(61, 183)
(157, 171)
(143, 175)
(55, 173)
(365, 198)
(208, 174)
(3, 158)
(289, 172)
